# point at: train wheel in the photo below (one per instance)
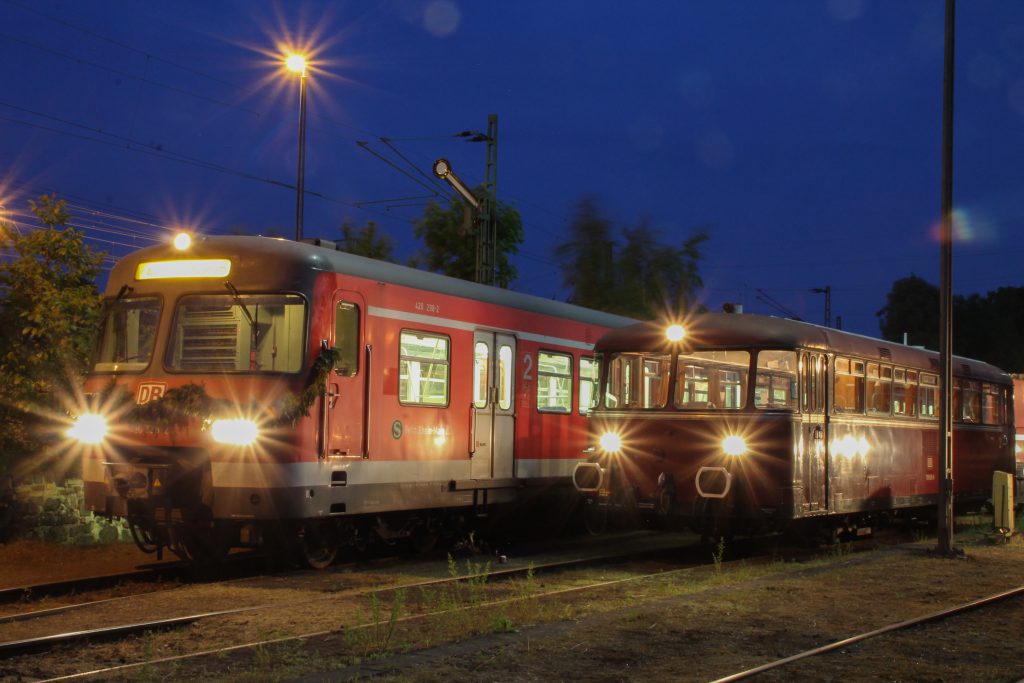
(595, 517)
(317, 544)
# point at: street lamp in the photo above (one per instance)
(297, 64)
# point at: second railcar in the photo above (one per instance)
(747, 423)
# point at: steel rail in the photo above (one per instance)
(934, 616)
(9, 595)
(506, 573)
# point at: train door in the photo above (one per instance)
(345, 403)
(493, 407)
(814, 447)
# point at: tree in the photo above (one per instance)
(644, 278)
(987, 327)
(587, 258)
(449, 238)
(366, 242)
(48, 313)
(912, 307)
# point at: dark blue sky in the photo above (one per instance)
(806, 134)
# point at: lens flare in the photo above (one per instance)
(610, 442)
(89, 428)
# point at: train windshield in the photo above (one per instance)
(712, 379)
(127, 332)
(237, 333)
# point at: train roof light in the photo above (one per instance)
(182, 241)
(185, 268)
(675, 333)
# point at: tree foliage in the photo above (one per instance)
(48, 314)
(449, 239)
(986, 327)
(640, 277)
(366, 241)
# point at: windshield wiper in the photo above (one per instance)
(254, 328)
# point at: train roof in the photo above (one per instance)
(274, 262)
(745, 330)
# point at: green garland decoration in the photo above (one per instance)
(178, 406)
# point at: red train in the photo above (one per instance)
(746, 423)
(249, 389)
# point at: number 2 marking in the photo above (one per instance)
(528, 367)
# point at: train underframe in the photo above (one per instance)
(736, 514)
(168, 503)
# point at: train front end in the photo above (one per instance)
(190, 426)
(691, 430)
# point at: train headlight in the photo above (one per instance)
(675, 333)
(236, 432)
(89, 428)
(734, 445)
(610, 442)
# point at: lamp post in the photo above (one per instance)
(297, 64)
(827, 291)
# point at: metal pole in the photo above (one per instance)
(945, 512)
(301, 184)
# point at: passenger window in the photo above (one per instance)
(481, 373)
(848, 390)
(589, 375)
(972, 401)
(346, 338)
(505, 377)
(928, 396)
(879, 386)
(776, 381)
(554, 382)
(423, 364)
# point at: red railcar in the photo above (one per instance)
(249, 387)
(750, 423)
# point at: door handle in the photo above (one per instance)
(472, 429)
(333, 392)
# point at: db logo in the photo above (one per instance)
(150, 391)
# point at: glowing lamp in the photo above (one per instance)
(89, 428)
(610, 442)
(237, 432)
(182, 241)
(185, 268)
(296, 64)
(675, 333)
(734, 445)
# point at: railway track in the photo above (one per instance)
(940, 615)
(13, 649)
(672, 560)
(169, 571)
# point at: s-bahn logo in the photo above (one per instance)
(150, 391)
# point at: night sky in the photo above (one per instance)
(805, 136)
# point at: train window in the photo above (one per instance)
(971, 401)
(993, 411)
(848, 389)
(505, 377)
(928, 396)
(238, 333)
(346, 338)
(904, 393)
(879, 387)
(554, 382)
(589, 373)
(636, 381)
(812, 394)
(775, 381)
(481, 372)
(127, 333)
(423, 369)
(712, 379)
